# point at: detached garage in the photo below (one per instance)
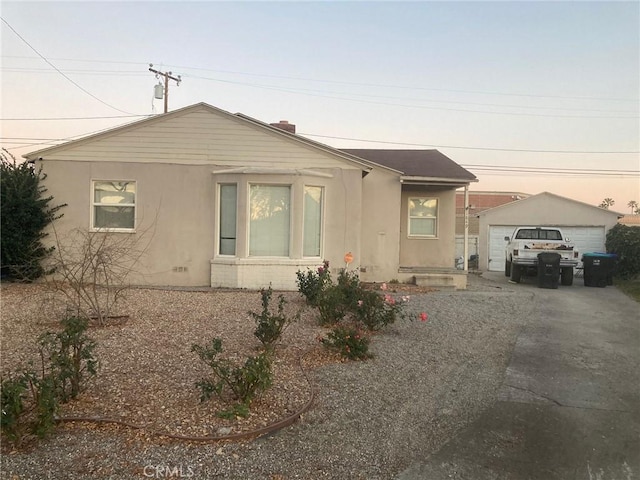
(585, 225)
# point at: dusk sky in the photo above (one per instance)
(529, 96)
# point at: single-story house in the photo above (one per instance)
(585, 225)
(229, 201)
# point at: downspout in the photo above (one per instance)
(465, 248)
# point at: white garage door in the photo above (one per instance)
(497, 245)
(586, 240)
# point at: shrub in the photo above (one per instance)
(376, 311)
(349, 341)
(312, 283)
(244, 382)
(624, 241)
(270, 326)
(70, 357)
(28, 404)
(25, 212)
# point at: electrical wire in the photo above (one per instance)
(320, 92)
(59, 71)
(468, 148)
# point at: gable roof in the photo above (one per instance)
(418, 166)
(548, 195)
(363, 164)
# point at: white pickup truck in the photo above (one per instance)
(526, 243)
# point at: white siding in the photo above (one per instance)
(199, 136)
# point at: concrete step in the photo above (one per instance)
(441, 281)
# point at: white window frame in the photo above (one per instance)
(219, 219)
(95, 204)
(322, 215)
(436, 218)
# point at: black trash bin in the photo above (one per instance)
(599, 269)
(548, 269)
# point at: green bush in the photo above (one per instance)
(624, 241)
(30, 400)
(376, 311)
(69, 355)
(25, 212)
(269, 326)
(312, 283)
(28, 403)
(244, 382)
(349, 341)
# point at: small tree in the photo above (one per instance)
(25, 212)
(633, 205)
(92, 269)
(607, 202)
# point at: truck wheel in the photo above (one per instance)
(507, 268)
(516, 273)
(567, 276)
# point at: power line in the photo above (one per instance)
(468, 148)
(423, 107)
(359, 84)
(59, 71)
(320, 92)
(69, 118)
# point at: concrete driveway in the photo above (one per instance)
(569, 406)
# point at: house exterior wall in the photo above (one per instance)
(541, 210)
(176, 162)
(380, 227)
(437, 252)
(173, 210)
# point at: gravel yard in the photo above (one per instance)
(369, 419)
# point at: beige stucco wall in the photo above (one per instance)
(176, 220)
(437, 252)
(380, 227)
(543, 209)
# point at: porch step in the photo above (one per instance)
(441, 281)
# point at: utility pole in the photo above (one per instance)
(167, 76)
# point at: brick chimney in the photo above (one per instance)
(285, 125)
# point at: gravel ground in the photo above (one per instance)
(370, 419)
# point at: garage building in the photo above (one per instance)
(585, 225)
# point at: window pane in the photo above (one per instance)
(114, 204)
(114, 192)
(423, 207)
(228, 219)
(423, 213)
(423, 226)
(312, 221)
(114, 217)
(269, 220)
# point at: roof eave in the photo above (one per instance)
(451, 182)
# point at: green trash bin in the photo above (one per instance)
(598, 269)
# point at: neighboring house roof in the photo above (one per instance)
(418, 166)
(483, 200)
(549, 195)
(630, 220)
